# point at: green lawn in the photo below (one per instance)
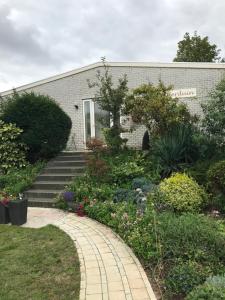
(37, 264)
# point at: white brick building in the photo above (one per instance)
(192, 83)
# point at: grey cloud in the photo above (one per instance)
(51, 36)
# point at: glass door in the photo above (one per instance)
(95, 119)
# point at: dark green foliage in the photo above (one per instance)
(196, 49)
(184, 276)
(124, 195)
(139, 182)
(212, 289)
(213, 121)
(175, 149)
(46, 127)
(146, 141)
(216, 177)
(17, 181)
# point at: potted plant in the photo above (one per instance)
(18, 210)
(68, 197)
(4, 211)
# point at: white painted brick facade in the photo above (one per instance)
(72, 89)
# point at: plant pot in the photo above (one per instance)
(18, 211)
(4, 214)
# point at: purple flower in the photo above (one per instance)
(68, 196)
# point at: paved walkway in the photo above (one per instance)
(109, 269)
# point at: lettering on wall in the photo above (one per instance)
(184, 93)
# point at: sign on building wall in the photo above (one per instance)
(183, 93)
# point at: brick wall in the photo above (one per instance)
(71, 90)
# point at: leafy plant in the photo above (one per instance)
(153, 107)
(182, 193)
(216, 177)
(184, 276)
(212, 289)
(12, 151)
(18, 180)
(124, 195)
(46, 127)
(175, 149)
(110, 99)
(213, 122)
(98, 168)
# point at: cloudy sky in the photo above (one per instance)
(40, 38)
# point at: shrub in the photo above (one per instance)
(139, 182)
(12, 152)
(184, 276)
(98, 168)
(96, 145)
(175, 149)
(18, 180)
(212, 289)
(216, 177)
(182, 193)
(121, 195)
(45, 125)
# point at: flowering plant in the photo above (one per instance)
(4, 198)
(68, 196)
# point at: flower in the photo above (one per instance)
(68, 196)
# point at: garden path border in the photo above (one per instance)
(109, 269)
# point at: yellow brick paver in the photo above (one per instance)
(109, 269)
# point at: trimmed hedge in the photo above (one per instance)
(46, 127)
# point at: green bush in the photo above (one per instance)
(18, 180)
(212, 289)
(12, 152)
(216, 177)
(121, 195)
(184, 276)
(182, 193)
(139, 182)
(175, 149)
(46, 127)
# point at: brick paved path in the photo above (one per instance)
(109, 269)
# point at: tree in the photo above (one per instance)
(111, 99)
(153, 107)
(213, 121)
(196, 49)
(46, 127)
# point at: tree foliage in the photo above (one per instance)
(196, 49)
(12, 152)
(214, 115)
(45, 125)
(153, 107)
(111, 99)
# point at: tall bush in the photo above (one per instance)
(46, 127)
(12, 152)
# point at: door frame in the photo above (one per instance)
(92, 119)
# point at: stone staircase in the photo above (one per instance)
(56, 175)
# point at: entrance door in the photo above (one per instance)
(95, 119)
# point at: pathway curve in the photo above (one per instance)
(109, 269)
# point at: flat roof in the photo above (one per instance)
(189, 65)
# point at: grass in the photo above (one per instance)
(38, 264)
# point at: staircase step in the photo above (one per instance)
(57, 177)
(50, 185)
(71, 153)
(41, 202)
(69, 158)
(69, 163)
(64, 170)
(38, 193)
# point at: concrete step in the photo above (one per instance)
(49, 185)
(41, 202)
(69, 163)
(64, 170)
(71, 153)
(38, 193)
(57, 177)
(69, 158)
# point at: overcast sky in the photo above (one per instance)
(41, 38)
